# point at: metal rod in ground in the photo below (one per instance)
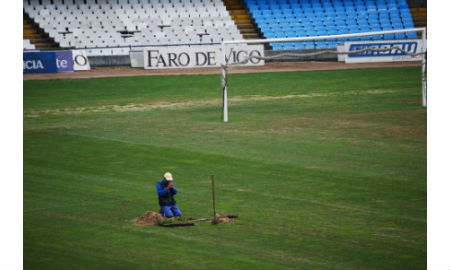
(214, 196)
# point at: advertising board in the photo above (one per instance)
(200, 56)
(39, 62)
(411, 46)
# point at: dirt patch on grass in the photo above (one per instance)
(148, 219)
(151, 218)
(222, 218)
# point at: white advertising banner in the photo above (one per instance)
(411, 46)
(137, 59)
(201, 56)
(340, 48)
(80, 60)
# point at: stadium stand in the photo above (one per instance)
(112, 27)
(34, 37)
(300, 18)
(419, 16)
(243, 19)
(106, 27)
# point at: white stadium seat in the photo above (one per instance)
(27, 45)
(98, 23)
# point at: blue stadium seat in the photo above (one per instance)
(398, 25)
(277, 46)
(411, 35)
(290, 16)
(329, 17)
(408, 24)
(400, 36)
(373, 21)
(309, 46)
(291, 33)
(377, 37)
(333, 32)
(277, 13)
(300, 46)
(395, 16)
(375, 27)
(289, 46)
(388, 36)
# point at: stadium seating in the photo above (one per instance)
(301, 18)
(108, 27)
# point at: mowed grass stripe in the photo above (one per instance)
(332, 181)
(121, 91)
(112, 189)
(131, 107)
(281, 213)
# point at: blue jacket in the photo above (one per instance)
(165, 195)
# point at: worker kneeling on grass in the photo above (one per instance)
(166, 190)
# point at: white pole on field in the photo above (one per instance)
(424, 68)
(224, 85)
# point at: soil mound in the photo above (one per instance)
(149, 218)
(222, 218)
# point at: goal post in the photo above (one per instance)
(225, 65)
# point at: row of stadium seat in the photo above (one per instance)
(121, 2)
(379, 4)
(113, 23)
(292, 18)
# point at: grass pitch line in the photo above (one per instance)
(179, 105)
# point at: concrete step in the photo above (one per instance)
(231, 7)
(237, 11)
(247, 31)
(33, 36)
(419, 17)
(231, 2)
(41, 40)
(36, 35)
(244, 25)
(29, 31)
(43, 46)
(240, 16)
(420, 20)
(418, 9)
(242, 21)
(250, 36)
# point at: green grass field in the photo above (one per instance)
(325, 169)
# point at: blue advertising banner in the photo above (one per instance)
(64, 61)
(411, 46)
(47, 62)
(39, 62)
